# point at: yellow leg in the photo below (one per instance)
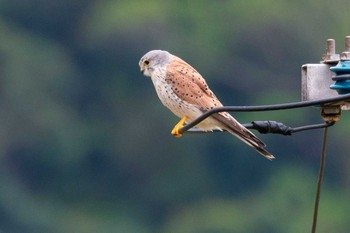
(175, 130)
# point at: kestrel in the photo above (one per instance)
(185, 92)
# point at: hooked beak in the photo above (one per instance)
(142, 68)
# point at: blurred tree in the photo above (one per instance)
(85, 143)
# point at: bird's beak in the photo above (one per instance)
(142, 68)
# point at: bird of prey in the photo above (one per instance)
(185, 92)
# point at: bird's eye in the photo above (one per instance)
(146, 62)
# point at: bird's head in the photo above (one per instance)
(152, 60)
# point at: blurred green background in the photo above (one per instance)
(85, 143)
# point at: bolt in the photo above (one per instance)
(331, 113)
(347, 43)
(330, 56)
(346, 54)
(330, 46)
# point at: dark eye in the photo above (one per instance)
(146, 62)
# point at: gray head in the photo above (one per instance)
(152, 60)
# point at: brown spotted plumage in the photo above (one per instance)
(185, 92)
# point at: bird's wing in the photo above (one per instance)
(189, 85)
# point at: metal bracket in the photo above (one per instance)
(316, 79)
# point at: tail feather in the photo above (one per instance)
(264, 153)
(242, 133)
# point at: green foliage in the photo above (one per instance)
(85, 143)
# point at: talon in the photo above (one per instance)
(175, 130)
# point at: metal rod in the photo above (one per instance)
(319, 181)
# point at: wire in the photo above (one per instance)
(274, 127)
(315, 126)
(260, 108)
(319, 181)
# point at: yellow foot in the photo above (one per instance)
(175, 130)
